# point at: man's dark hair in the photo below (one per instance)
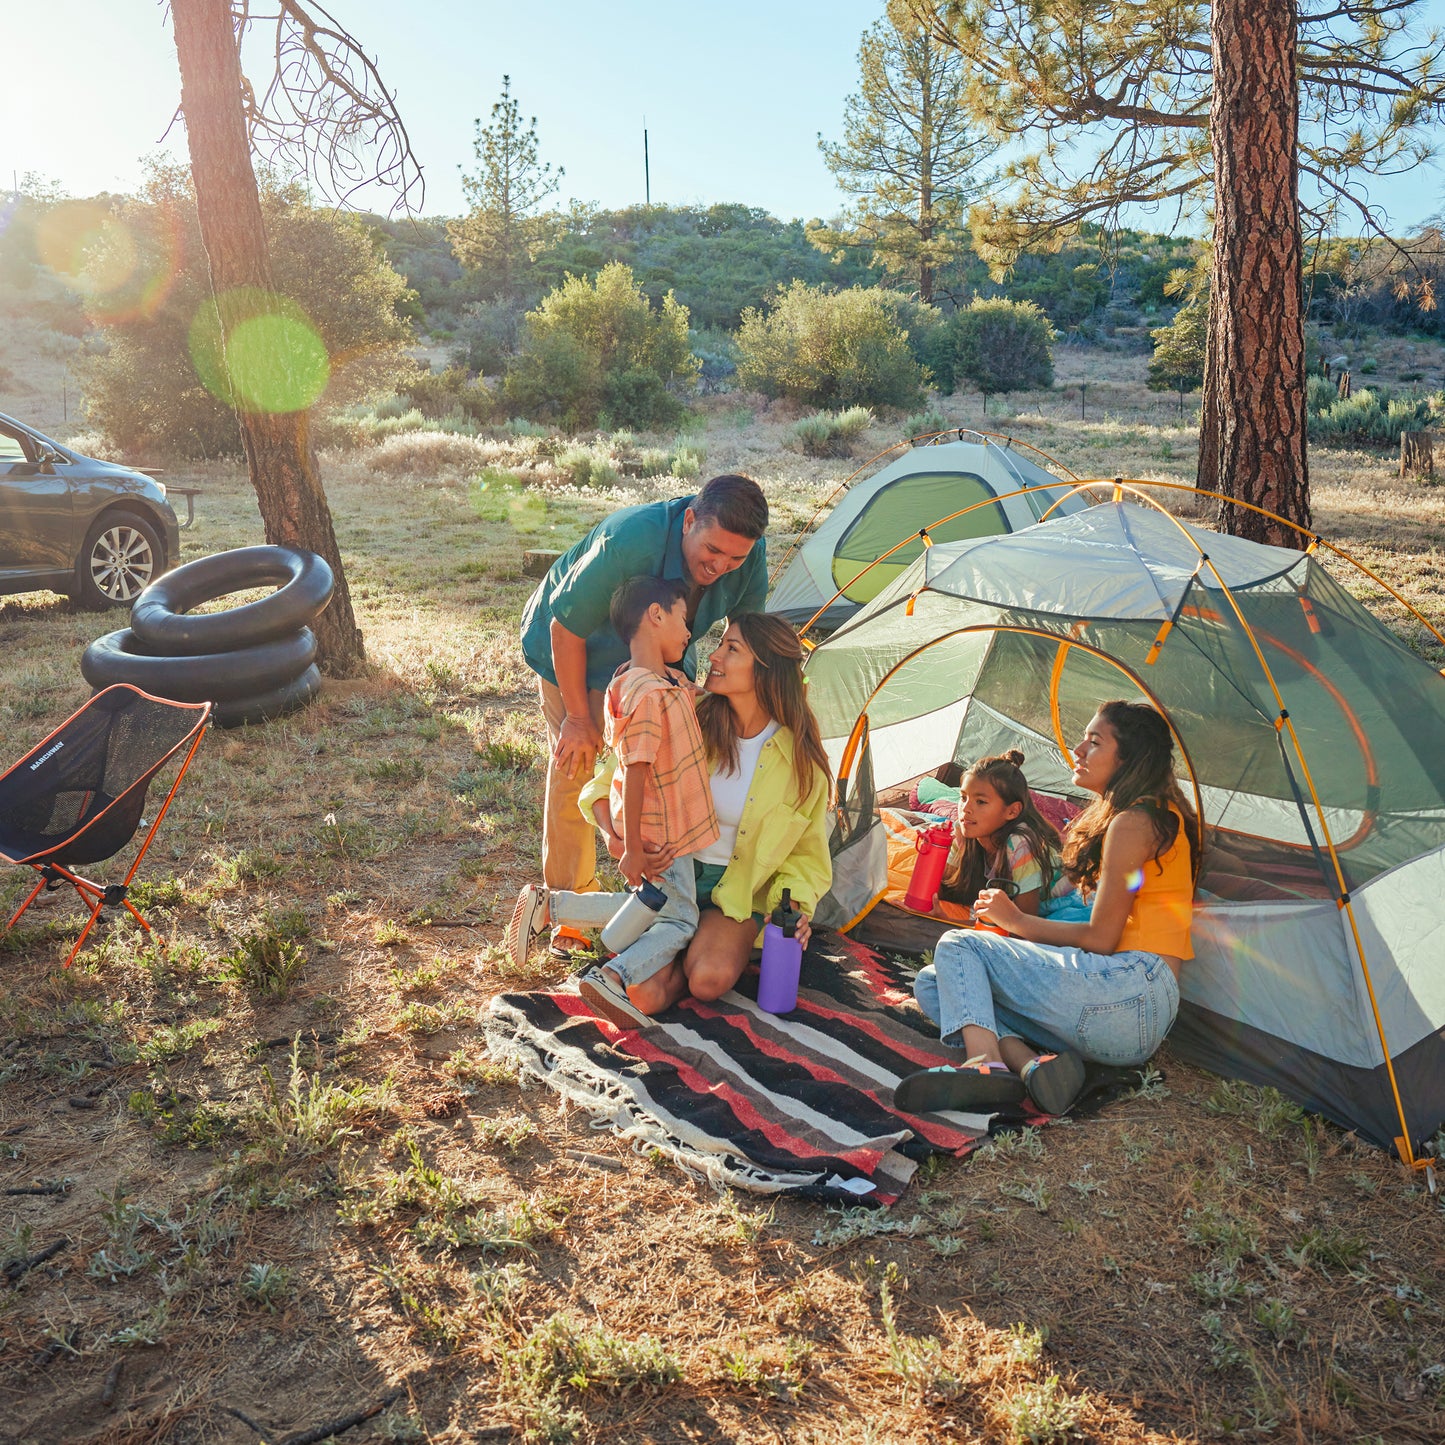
(735, 503)
(632, 599)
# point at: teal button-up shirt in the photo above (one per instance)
(632, 542)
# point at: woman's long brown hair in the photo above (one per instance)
(1144, 779)
(778, 681)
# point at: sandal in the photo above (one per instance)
(1054, 1081)
(974, 1088)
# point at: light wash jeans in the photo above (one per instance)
(665, 938)
(1112, 1008)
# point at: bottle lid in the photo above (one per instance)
(785, 916)
(649, 893)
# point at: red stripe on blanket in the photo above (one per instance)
(920, 1054)
(866, 1160)
(940, 1134)
(884, 988)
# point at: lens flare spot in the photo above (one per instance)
(1135, 881)
(275, 360)
(83, 242)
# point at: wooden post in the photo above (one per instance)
(1417, 455)
(1343, 385)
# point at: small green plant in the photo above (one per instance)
(851, 1224)
(1026, 1344)
(267, 1286)
(390, 934)
(1217, 1284)
(1041, 1413)
(1224, 1350)
(1328, 1248)
(175, 1041)
(1277, 1320)
(915, 1360)
(306, 1114)
(1025, 1143)
(149, 1329)
(1032, 1191)
(121, 1255)
(511, 1131)
(266, 961)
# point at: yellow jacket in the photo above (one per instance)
(781, 842)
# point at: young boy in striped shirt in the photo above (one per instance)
(661, 797)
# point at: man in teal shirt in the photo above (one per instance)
(714, 543)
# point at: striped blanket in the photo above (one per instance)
(800, 1104)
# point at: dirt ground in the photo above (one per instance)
(264, 1180)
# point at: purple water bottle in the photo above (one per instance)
(782, 959)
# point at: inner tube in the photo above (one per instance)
(268, 705)
(306, 585)
(216, 677)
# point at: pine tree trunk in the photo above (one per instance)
(280, 453)
(1252, 423)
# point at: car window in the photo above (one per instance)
(10, 448)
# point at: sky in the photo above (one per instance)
(733, 95)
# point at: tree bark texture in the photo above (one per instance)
(1252, 424)
(280, 453)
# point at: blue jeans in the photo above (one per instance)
(666, 936)
(1112, 1008)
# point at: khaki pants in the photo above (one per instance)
(569, 841)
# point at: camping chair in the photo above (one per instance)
(78, 796)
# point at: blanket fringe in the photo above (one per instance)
(509, 1041)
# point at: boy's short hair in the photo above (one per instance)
(735, 503)
(632, 599)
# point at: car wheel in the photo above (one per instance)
(121, 556)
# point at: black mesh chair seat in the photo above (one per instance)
(78, 796)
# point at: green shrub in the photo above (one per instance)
(451, 393)
(830, 434)
(1369, 417)
(595, 347)
(1178, 360)
(1320, 394)
(687, 461)
(925, 423)
(834, 348)
(996, 345)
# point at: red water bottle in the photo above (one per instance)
(933, 845)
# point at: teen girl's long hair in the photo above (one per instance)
(1144, 779)
(778, 679)
(968, 865)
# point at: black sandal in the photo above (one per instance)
(1054, 1081)
(973, 1088)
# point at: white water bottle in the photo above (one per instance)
(637, 914)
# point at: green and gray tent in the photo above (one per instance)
(993, 482)
(1308, 733)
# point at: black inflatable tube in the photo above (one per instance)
(267, 706)
(158, 618)
(217, 677)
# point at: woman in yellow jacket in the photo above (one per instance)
(771, 787)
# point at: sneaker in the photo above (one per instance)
(567, 942)
(973, 1087)
(608, 1000)
(1054, 1081)
(529, 918)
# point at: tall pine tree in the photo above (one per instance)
(1193, 106)
(503, 232)
(908, 156)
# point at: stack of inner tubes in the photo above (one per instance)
(255, 662)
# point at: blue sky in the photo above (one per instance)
(734, 95)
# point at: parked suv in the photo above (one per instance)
(93, 530)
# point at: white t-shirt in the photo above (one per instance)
(730, 796)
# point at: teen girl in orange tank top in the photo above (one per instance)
(1028, 1011)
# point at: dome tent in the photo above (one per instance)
(935, 477)
(1308, 734)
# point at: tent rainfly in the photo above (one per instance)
(935, 478)
(1309, 734)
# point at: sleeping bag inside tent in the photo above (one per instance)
(1308, 733)
(918, 489)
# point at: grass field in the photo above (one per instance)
(287, 1185)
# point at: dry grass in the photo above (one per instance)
(289, 1181)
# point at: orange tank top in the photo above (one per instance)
(1163, 910)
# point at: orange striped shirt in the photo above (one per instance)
(650, 718)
